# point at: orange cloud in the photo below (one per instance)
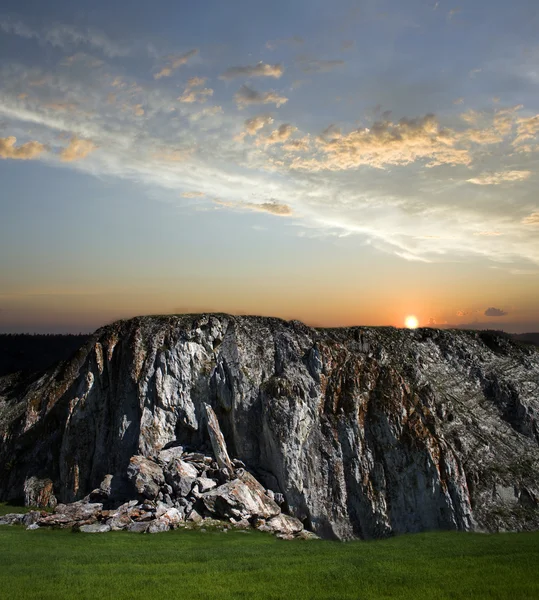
(25, 151)
(77, 149)
(174, 63)
(259, 70)
(246, 96)
(532, 219)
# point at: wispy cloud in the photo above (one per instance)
(500, 177)
(246, 96)
(175, 62)
(259, 70)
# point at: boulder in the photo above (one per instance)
(95, 528)
(32, 527)
(138, 527)
(284, 524)
(242, 498)
(157, 526)
(181, 476)
(166, 456)
(39, 492)
(12, 519)
(146, 475)
(205, 484)
(217, 439)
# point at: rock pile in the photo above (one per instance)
(178, 488)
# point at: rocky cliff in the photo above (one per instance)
(361, 431)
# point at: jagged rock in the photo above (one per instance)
(146, 475)
(242, 498)
(217, 440)
(138, 527)
(31, 517)
(366, 432)
(282, 524)
(279, 498)
(119, 522)
(95, 528)
(181, 476)
(39, 492)
(166, 456)
(157, 526)
(32, 526)
(194, 516)
(204, 484)
(12, 519)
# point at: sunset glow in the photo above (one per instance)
(411, 322)
(253, 159)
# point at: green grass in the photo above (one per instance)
(60, 565)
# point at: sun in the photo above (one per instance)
(411, 322)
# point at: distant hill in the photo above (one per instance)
(527, 338)
(30, 353)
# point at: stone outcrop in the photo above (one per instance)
(257, 422)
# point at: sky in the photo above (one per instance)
(340, 163)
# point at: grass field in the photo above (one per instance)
(62, 565)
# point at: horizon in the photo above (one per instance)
(335, 164)
(475, 326)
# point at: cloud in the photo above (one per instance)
(246, 96)
(532, 219)
(458, 101)
(278, 136)
(494, 312)
(501, 177)
(527, 129)
(461, 313)
(319, 66)
(297, 145)
(472, 74)
(294, 40)
(62, 106)
(193, 195)
(387, 143)
(174, 62)
(259, 70)
(275, 208)
(77, 149)
(254, 125)
(25, 151)
(190, 95)
(196, 82)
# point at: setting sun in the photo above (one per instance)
(411, 322)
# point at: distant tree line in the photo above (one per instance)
(31, 352)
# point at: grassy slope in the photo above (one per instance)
(194, 565)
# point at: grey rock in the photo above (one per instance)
(282, 524)
(204, 484)
(31, 517)
(12, 519)
(157, 526)
(181, 476)
(146, 475)
(39, 492)
(242, 498)
(217, 439)
(279, 498)
(138, 527)
(366, 432)
(194, 516)
(32, 527)
(95, 528)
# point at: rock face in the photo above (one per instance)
(353, 432)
